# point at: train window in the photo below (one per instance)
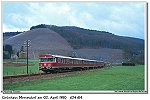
(43, 59)
(59, 60)
(62, 60)
(47, 59)
(74, 62)
(71, 61)
(82, 62)
(77, 62)
(50, 59)
(66, 61)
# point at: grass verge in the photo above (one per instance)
(115, 78)
(15, 70)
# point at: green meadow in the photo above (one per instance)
(19, 67)
(114, 78)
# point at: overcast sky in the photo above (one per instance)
(120, 18)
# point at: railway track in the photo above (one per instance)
(28, 77)
(22, 75)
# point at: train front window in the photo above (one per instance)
(43, 59)
(50, 59)
(47, 59)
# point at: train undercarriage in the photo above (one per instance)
(67, 69)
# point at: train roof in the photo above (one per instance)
(59, 56)
(72, 58)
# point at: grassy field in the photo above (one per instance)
(13, 67)
(115, 78)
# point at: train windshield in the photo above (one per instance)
(47, 59)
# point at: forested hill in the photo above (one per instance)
(80, 38)
(83, 41)
(7, 35)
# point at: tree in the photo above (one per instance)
(22, 49)
(8, 48)
(7, 51)
(6, 55)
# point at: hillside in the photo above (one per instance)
(42, 41)
(65, 40)
(7, 35)
(84, 38)
(133, 48)
(104, 54)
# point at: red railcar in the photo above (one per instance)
(52, 63)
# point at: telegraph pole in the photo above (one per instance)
(27, 44)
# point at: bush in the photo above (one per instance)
(6, 55)
(128, 64)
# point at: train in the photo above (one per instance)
(55, 63)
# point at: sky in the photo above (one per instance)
(119, 18)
